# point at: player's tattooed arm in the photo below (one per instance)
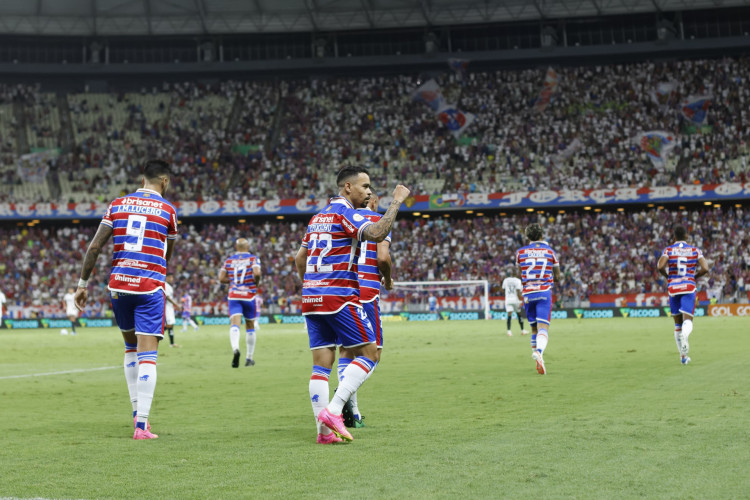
(379, 230)
(95, 249)
(89, 261)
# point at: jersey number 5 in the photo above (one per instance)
(324, 243)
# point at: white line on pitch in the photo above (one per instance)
(83, 370)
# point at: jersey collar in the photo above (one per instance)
(340, 200)
(540, 241)
(144, 190)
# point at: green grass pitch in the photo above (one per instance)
(456, 410)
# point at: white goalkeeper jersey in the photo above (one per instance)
(510, 287)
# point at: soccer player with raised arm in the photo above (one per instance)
(677, 263)
(539, 268)
(241, 271)
(144, 228)
(513, 287)
(374, 266)
(327, 263)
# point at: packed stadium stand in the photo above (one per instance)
(259, 139)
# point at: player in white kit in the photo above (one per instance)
(513, 301)
(70, 308)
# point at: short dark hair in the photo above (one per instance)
(680, 233)
(348, 172)
(156, 168)
(534, 232)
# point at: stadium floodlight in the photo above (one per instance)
(466, 292)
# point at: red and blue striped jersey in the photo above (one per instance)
(141, 223)
(239, 268)
(332, 242)
(536, 261)
(187, 303)
(683, 259)
(368, 273)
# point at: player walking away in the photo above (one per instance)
(144, 228)
(242, 271)
(327, 264)
(677, 263)
(169, 319)
(513, 300)
(539, 268)
(71, 311)
(374, 265)
(187, 311)
(432, 304)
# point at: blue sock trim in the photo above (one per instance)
(130, 347)
(250, 331)
(141, 425)
(367, 362)
(321, 371)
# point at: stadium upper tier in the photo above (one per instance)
(286, 139)
(600, 253)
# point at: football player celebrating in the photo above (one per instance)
(242, 271)
(327, 263)
(539, 269)
(677, 263)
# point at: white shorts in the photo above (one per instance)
(513, 306)
(169, 315)
(71, 312)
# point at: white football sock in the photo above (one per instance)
(687, 327)
(677, 333)
(234, 337)
(541, 340)
(351, 379)
(131, 373)
(319, 394)
(250, 342)
(146, 383)
(193, 324)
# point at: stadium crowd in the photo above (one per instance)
(599, 252)
(286, 139)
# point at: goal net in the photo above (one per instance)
(442, 298)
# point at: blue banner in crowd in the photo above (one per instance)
(519, 199)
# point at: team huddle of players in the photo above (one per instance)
(342, 262)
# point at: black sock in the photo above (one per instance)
(520, 322)
(171, 336)
(509, 315)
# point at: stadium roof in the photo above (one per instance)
(195, 17)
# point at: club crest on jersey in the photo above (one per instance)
(358, 218)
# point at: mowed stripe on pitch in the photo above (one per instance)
(82, 370)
